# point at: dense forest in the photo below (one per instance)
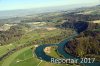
(87, 43)
(13, 34)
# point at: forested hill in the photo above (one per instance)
(14, 33)
(94, 10)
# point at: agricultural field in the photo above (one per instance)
(31, 37)
(26, 57)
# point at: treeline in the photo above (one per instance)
(80, 17)
(54, 39)
(46, 40)
(69, 24)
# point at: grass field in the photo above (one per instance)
(11, 58)
(53, 52)
(28, 37)
(4, 49)
(26, 57)
(38, 34)
(96, 29)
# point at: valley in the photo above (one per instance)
(23, 38)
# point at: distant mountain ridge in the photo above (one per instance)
(23, 12)
(16, 16)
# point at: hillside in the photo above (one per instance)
(29, 40)
(95, 10)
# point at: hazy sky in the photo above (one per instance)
(24, 4)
